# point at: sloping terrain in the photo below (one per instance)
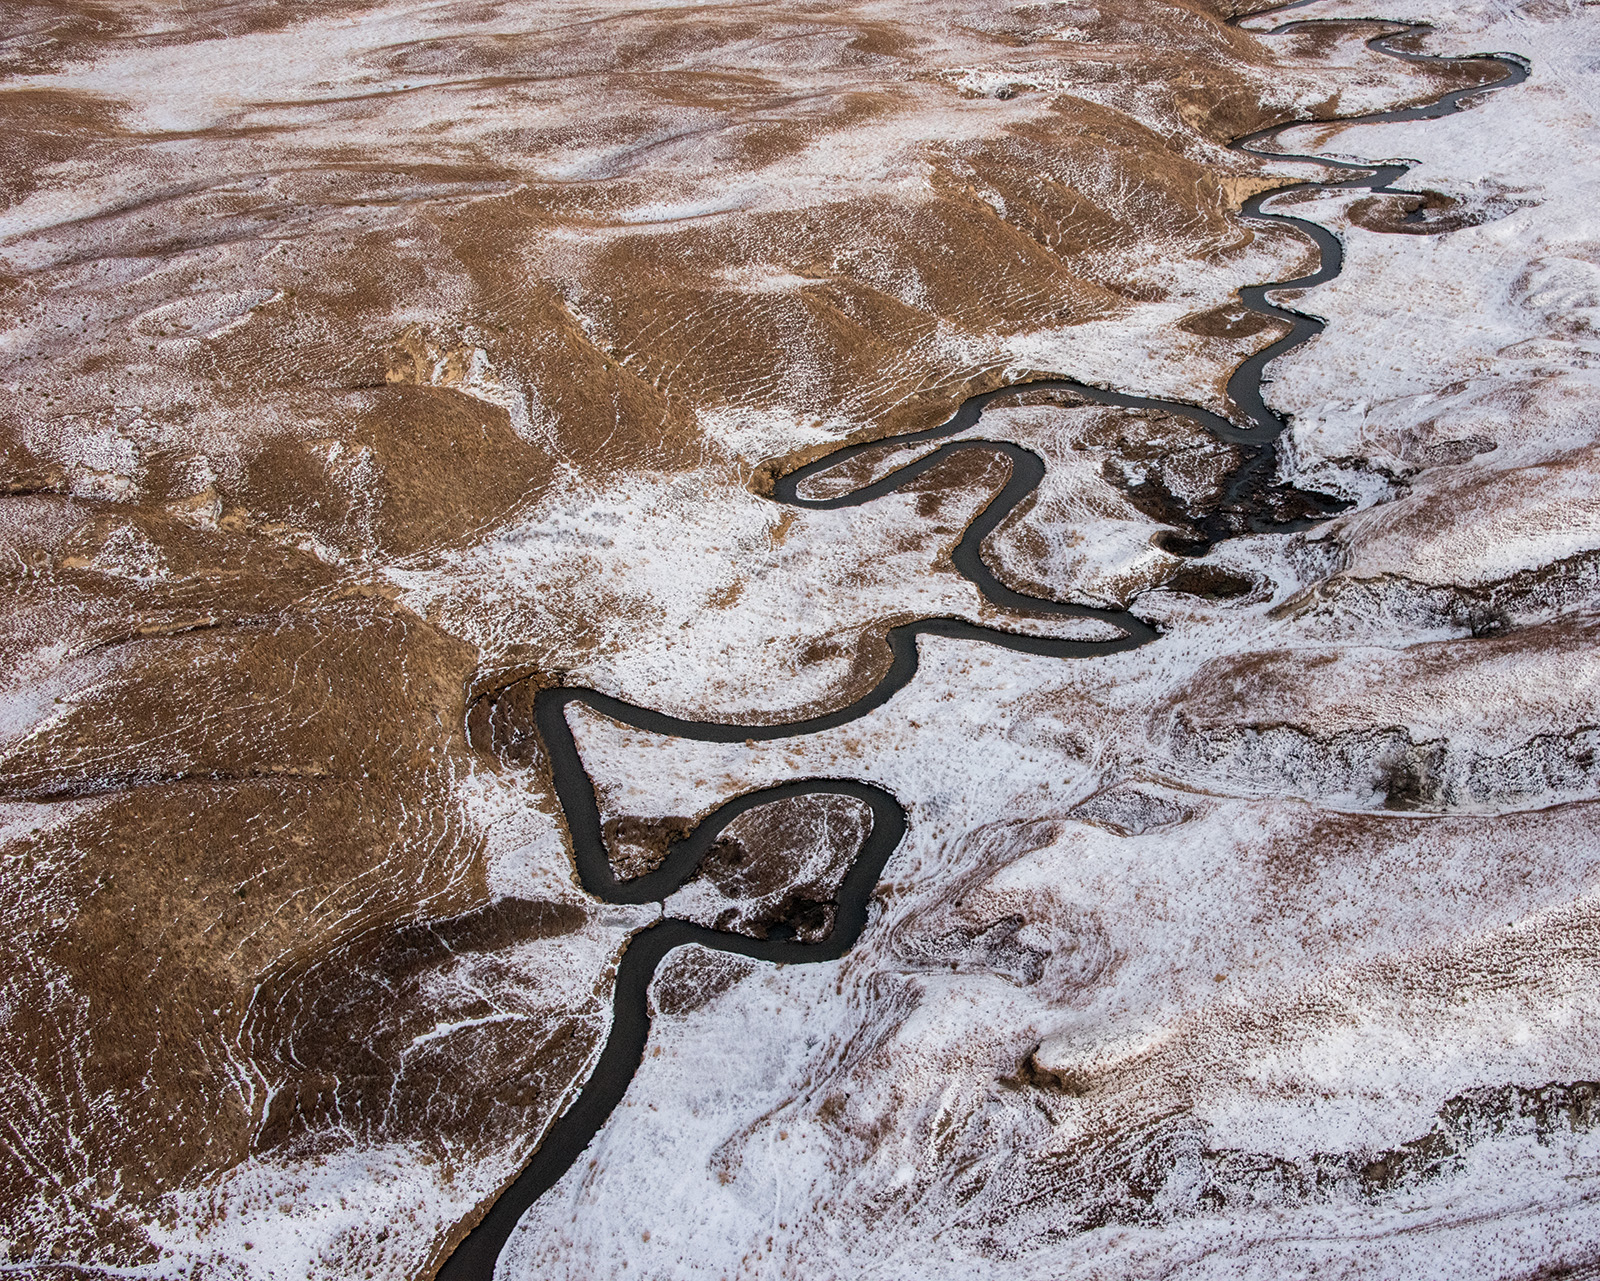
(366, 365)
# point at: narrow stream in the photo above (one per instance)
(1243, 510)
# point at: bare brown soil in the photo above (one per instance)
(265, 349)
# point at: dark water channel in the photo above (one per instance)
(1248, 506)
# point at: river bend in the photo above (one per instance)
(1243, 510)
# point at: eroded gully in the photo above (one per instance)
(1248, 507)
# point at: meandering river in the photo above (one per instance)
(1242, 510)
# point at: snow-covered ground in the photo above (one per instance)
(363, 359)
(1308, 950)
